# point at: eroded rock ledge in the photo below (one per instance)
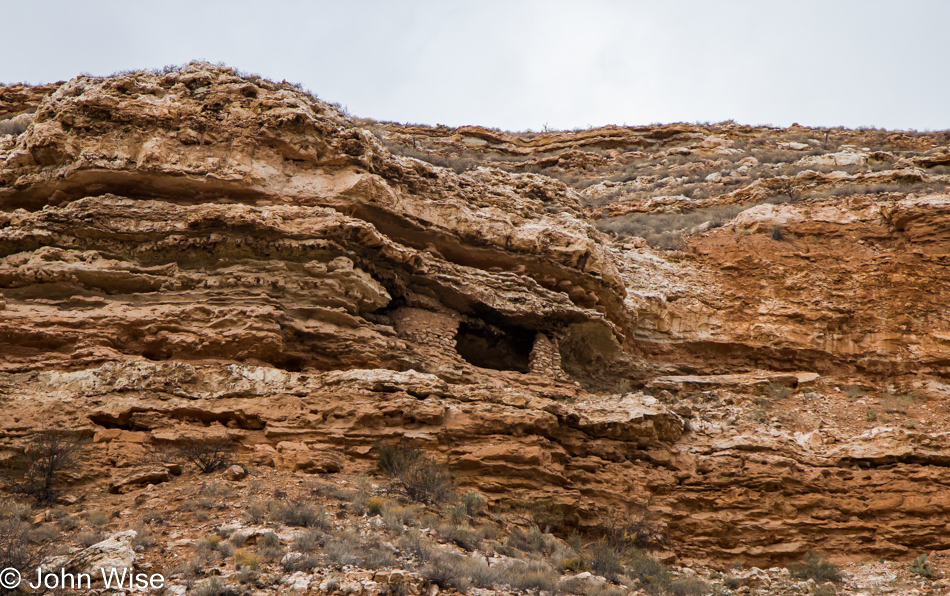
(199, 254)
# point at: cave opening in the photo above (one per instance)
(495, 347)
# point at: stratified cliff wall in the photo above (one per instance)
(201, 254)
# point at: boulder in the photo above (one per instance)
(128, 479)
(236, 472)
(115, 552)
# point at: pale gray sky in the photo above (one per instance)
(519, 64)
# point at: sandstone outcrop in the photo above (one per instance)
(197, 254)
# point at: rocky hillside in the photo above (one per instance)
(723, 345)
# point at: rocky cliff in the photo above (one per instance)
(739, 331)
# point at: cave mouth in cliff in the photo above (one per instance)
(495, 347)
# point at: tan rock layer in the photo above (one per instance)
(196, 254)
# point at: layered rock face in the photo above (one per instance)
(197, 254)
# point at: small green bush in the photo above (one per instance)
(396, 517)
(461, 535)
(922, 567)
(269, 540)
(97, 519)
(459, 572)
(605, 560)
(227, 549)
(533, 541)
(653, 575)
(533, 575)
(189, 567)
(245, 559)
(87, 539)
(298, 513)
(414, 543)
(689, 586)
(815, 566)
(374, 505)
(309, 540)
(344, 549)
(574, 565)
(212, 587)
(456, 513)
(474, 503)
(378, 558)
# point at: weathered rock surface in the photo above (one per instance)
(113, 553)
(199, 255)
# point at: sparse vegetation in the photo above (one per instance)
(309, 541)
(344, 548)
(826, 589)
(532, 575)
(605, 560)
(269, 547)
(212, 587)
(922, 567)
(473, 502)
(21, 547)
(301, 563)
(669, 230)
(761, 409)
(458, 164)
(89, 538)
(298, 513)
(855, 391)
(816, 567)
(245, 559)
(415, 475)
(460, 572)
(36, 471)
(98, 518)
(779, 390)
(208, 454)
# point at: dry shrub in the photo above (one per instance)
(459, 572)
(301, 563)
(413, 474)
(309, 541)
(36, 472)
(344, 549)
(533, 575)
(298, 513)
(208, 454)
(668, 230)
(21, 547)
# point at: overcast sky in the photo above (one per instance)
(526, 64)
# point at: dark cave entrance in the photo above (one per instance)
(491, 346)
